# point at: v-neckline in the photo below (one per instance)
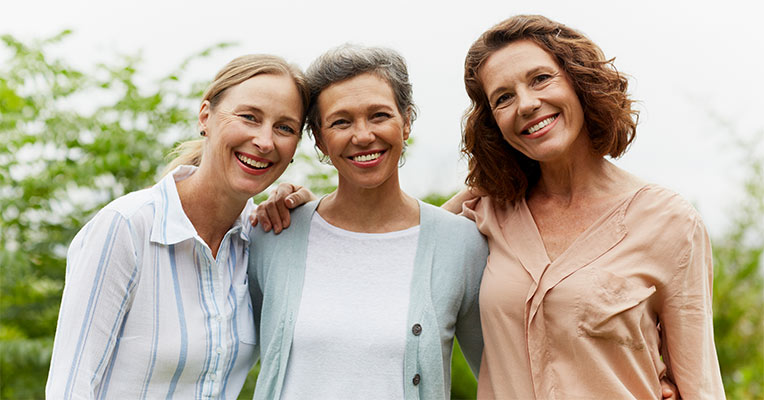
(590, 230)
(524, 237)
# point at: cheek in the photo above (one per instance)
(287, 145)
(505, 122)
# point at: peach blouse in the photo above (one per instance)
(628, 302)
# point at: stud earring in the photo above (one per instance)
(203, 133)
(292, 162)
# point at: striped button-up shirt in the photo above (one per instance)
(147, 311)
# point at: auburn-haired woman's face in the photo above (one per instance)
(533, 101)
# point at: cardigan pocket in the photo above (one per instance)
(614, 309)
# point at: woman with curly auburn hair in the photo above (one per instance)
(598, 285)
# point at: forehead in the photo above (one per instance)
(273, 92)
(361, 90)
(513, 61)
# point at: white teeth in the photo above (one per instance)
(541, 124)
(251, 162)
(367, 157)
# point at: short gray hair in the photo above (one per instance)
(348, 61)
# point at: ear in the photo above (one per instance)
(320, 143)
(204, 115)
(407, 125)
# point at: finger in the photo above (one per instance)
(253, 217)
(272, 214)
(283, 214)
(668, 389)
(477, 192)
(282, 191)
(297, 198)
(262, 217)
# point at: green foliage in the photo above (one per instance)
(463, 383)
(72, 141)
(739, 289)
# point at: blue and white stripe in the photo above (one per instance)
(147, 312)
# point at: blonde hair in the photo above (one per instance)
(235, 72)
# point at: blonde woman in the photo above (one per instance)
(156, 299)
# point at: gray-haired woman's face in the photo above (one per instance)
(363, 131)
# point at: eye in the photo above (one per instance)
(541, 78)
(286, 128)
(339, 123)
(381, 116)
(248, 117)
(503, 100)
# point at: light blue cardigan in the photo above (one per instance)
(449, 262)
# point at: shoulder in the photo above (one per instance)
(454, 231)
(133, 204)
(664, 206)
(129, 216)
(297, 231)
(664, 219)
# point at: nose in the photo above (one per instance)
(528, 102)
(363, 134)
(263, 139)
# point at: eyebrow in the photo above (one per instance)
(535, 70)
(373, 107)
(528, 74)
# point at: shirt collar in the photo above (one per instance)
(171, 225)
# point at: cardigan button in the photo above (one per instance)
(416, 379)
(416, 329)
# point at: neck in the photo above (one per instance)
(582, 179)
(385, 208)
(211, 212)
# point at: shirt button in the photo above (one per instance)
(219, 350)
(212, 376)
(416, 329)
(416, 379)
(219, 318)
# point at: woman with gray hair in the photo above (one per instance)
(363, 296)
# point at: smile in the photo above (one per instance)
(540, 125)
(367, 157)
(252, 163)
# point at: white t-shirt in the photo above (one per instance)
(350, 332)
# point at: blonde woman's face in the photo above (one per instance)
(252, 133)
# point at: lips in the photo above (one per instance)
(367, 159)
(252, 164)
(539, 124)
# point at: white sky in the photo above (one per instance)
(692, 63)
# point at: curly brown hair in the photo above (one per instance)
(501, 171)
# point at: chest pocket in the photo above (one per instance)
(614, 309)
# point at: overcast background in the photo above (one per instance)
(695, 66)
